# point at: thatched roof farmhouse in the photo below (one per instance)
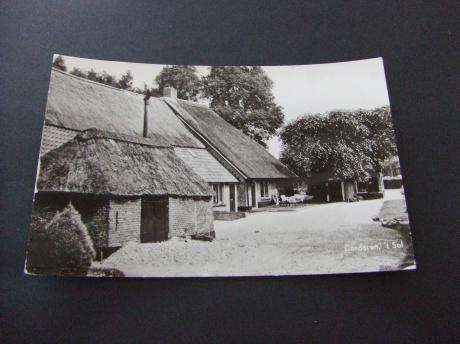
(242, 173)
(146, 170)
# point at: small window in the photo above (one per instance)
(218, 191)
(116, 221)
(264, 189)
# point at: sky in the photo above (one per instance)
(299, 89)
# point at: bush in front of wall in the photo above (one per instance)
(61, 246)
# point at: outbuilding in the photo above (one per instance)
(126, 189)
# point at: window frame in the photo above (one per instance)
(264, 189)
(217, 198)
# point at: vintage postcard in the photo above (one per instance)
(190, 171)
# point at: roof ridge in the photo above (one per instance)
(193, 103)
(96, 83)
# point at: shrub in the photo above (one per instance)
(61, 246)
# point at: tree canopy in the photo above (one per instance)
(346, 145)
(183, 78)
(243, 97)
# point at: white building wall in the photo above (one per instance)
(250, 194)
(257, 186)
(272, 189)
(226, 199)
(236, 198)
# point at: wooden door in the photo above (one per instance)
(232, 197)
(335, 191)
(154, 220)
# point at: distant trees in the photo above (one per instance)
(78, 72)
(346, 145)
(126, 81)
(106, 79)
(92, 75)
(243, 97)
(59, 63)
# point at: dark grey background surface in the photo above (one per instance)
(420, 46)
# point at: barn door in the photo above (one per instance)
(154, 220)
(232, 197)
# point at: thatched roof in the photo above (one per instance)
(101, 163)
(250, 157)
(80, 104)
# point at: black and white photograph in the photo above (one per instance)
(150, 170)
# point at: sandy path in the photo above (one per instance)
(326, 238)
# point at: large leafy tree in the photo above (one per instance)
(381, 142)
(341, 144)
(243, 97)
(183, 78)
(59, 63)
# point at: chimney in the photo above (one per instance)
(146, 119)
(170, 92)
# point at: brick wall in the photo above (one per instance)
(124, 221)
(94, 215)
(190, 216)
